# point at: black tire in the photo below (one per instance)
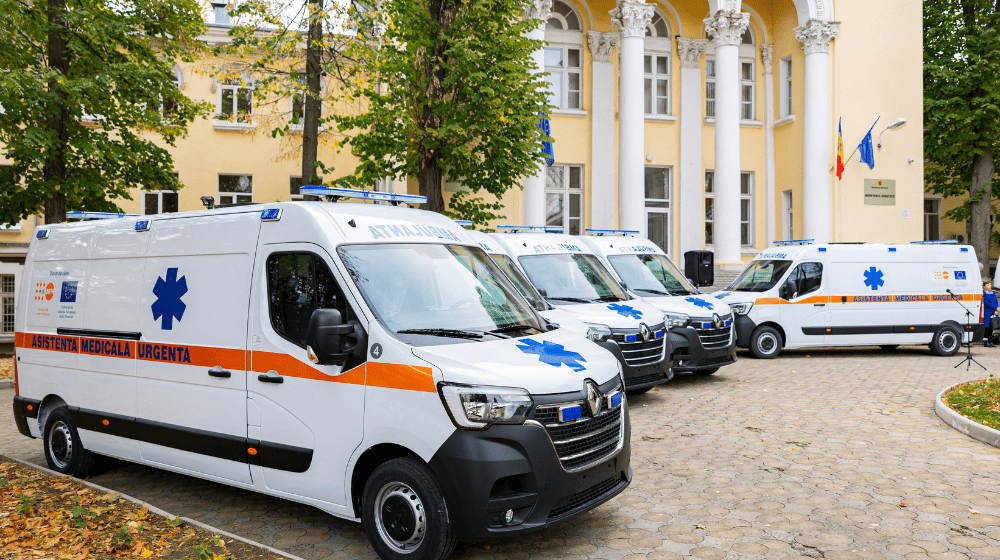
(64, 452)
(404, 513)
(947, 341)
(765, 342)
(709, 371)
(888, 347)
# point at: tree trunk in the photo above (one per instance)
(54, 166)
(310, 124)
(429, 177)
(981, 207)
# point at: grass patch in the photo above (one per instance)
(978, 401)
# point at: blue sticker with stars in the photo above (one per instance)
(873, 278)
(700, 302)
(625, 310)
(168, 305)
(552, 354)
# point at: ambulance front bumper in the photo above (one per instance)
(691, 355)
(641, 377)
(483, 475)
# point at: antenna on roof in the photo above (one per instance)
(333, 194)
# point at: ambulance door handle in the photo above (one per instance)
(217, 371)
(818, 304)
(270, 377)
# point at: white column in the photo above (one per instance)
(726, 28)
(602, 131)
(533, 198)
(631, 18)
(691, 210)
(766, 51)
(815, 37)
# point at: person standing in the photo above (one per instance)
(989, 309)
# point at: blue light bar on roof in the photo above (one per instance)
(337, 193)
(611, 231)
(270, 214)
(551, 229)
(464, 223)
(142, 225)
(794, 242)
(936, 242)
(79, 215)
(42, 234)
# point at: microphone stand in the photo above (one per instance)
(969, 360)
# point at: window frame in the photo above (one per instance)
(749, 197)
(934, 215)
(652, 79)
(564, 73)
(710, 79)
(8, 300)
(667, 210)
(235, 195)
(349, 315)
(243, 84)
(567, 191)
(795, 271)
(159, 202)
(752, 83)
(785, 96)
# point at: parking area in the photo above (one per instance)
(831, 454)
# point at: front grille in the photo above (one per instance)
(712, 337)
(583, 497)
(644, 379)
(640, 352)
(584, 442)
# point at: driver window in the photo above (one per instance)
(297, 285)
(807, 278)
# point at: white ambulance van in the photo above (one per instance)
(800, 294)
(365, 359)
(589, 301)
(702, 336)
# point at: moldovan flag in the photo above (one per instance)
(840, 149)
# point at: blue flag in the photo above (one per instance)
(543, 123)
(865, 147)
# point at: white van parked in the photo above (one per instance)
(702, 336)
(589, 299)
(368, 360)
(800, 295)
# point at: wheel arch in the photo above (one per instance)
(49, 403)
(366, 464)
(777, 327)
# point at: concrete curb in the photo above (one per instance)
(154, 509)
(973, 429)
(6, 383)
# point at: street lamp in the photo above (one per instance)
(895, 125)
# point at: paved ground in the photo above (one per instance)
(826, 454)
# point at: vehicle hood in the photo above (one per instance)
(557, 361)
(618, 315)
(700, 305)
(727, 297)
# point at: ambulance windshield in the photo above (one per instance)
(760, 276)
(572, 278)
(520, 282)
(433, 294)
(651, 275)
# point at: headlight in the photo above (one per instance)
(741, 308)
(676, 320)
(473, 407)
(598, 333)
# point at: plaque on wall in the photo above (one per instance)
(880, 192)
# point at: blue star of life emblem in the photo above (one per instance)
(700, 302)
(873, 278)
(723, 295)
(168, 304)
(552, 354)
(625, 310)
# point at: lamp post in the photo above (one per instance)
(894, 125)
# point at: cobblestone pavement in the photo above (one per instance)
(831, 454)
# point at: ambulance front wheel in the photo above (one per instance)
(947, 340)
(404, 512)
(64, 451)
(765, 342)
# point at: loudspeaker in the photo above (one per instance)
(699, 267)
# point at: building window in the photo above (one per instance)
(565, 76)
(297, 116)
(932, 219)
(746, 90)
(235, 101)
(788, 218)
(659, 226)
(563, 17)
(159, 202)
(7, 300)
(294, 184)
(235, 189)
(710, 87)
(657, 83)
(564, 198)
(746, 207)
(786, 86)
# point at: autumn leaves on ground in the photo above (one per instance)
(56, 518)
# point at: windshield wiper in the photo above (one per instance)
(573, 299)
(449, 333)
(658, 292)
(510, 328)
(682, 293)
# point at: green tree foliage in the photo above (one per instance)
(85, 87)
(444, 88)
(962, 108)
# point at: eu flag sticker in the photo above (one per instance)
(68, 292)
(959, 275)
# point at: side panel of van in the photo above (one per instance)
(191, 369)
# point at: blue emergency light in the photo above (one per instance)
(549, 229)
(336, 194)
(80, 215)
(892, 249)
(142, 225)
(270, 214)
(599, 232)
(794, 242)
(936, 242)
(567, 413)
(464, 223)
(614, 399)
(42, 234)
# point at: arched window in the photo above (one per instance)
(564, 57)
(656, 67)
(658, 26)
(563, 17)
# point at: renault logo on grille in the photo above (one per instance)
(719, 323)
(644, 331)
(593, 398)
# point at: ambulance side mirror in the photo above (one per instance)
(541, 292)
(787, 290)
(333, 341)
